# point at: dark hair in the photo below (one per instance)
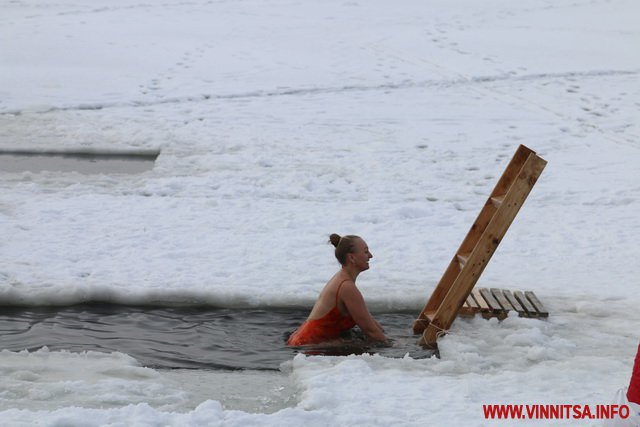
(344, 245)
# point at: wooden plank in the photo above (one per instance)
(480, 300)
(525, 303)
(493, 304)
(514, 303)
(496, 310)
(498, 295)
(472, 302)
(484, 249)
(467, 310)
(536, 304)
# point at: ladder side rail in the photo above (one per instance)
(506, 181)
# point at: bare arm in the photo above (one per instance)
(353, 300)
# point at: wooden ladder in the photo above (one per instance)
(478, 246)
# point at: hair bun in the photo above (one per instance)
(334, 239)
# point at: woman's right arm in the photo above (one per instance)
(353, 300)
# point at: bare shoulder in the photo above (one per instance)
(348, 287)
(344, 283)
(336, 285)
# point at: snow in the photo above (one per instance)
(281, 122)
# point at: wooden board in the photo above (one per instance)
(514, 303)
(496, 309)
(491, 301)
(470, 307)
(482, 304)
(536, 304)
(499, 296)
(471, 301)
(531, 311)
(466, 310)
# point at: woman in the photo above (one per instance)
(340, 305)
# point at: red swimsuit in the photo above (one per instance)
(327, 328)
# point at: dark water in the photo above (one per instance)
(195, 338)
(86, 163)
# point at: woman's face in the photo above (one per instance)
(361, 255)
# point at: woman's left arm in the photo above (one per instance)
(353, 300)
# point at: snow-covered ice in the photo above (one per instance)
(280, 122)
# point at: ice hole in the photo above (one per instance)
(233, 355)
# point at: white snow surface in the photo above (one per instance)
(280, 122)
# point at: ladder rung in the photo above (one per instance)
(497, 200)
(462, 259)
(429, 315)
